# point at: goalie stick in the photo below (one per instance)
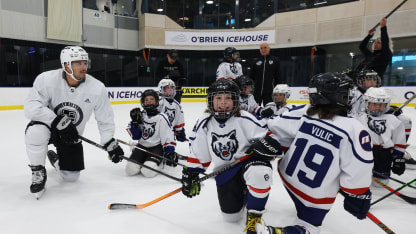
(389, 14)
(130, 160)
(394, 179)
(411, 200)
(118, 206)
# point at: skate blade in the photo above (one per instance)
(39, 194)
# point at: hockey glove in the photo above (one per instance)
(266, 148)
(357, 205)
(266, 112)
(136, 116)
(190, 184)
(399, 166)
(114, 151)
(134, 131)
(64, 131)
(180, 135)
(172, 159)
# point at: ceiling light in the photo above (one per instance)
(319, 3)
(399, 68)
(209, 2)
(247, 20)
(160, 9)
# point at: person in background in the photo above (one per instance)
(265, 71)
(171, 68)
(247, 101)
(58, 106)
(279, 105)
(230, 68)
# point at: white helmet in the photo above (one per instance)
(70, 54)
(166, 83)
(376, 95)
(281, 89)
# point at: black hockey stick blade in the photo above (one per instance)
(411, 200)
(121, 206)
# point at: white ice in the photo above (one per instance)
(81, 207)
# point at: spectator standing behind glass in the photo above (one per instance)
(380, 56)
(171, 68)
(265, 72)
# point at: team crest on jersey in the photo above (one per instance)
(365, 140)
(72, 110)
(170, 113)
(148, 130)
(377, 126)
(225, 146)
(233, 68)
(244, 104)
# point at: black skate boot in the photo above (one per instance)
(263, 229)
(38, 180)
(53, 158)
(253, 217)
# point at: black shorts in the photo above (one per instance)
(141, 156)
(382, 161)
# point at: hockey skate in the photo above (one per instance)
(53, 159)
(410, 162)
(263, 229)
(253, 218)
(38, 180)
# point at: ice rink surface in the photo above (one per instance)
(81, 207)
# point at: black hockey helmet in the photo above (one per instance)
(244, 81)
(370, 75)
(223, 86)
(150, 109)
(229, 53)
(330, 88)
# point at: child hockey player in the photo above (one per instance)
(247, 101)
(387, 134)
(222, 136)
(365, 79)
(154, 133)
(281, 93)
(326, 152)
(172, 108)
(230, 68)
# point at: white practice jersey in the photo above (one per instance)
(281, 110)
(322, 156)
(386, 131)
(156, 130)
(228, 70)
(357, 103)
(249, 104)
(223, 143)
(173, 111)
(407, 123)
(51, 96)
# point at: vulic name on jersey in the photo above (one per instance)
(321, 133)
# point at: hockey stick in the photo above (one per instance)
(408, 199)
(117, 206)
(405, 103)
(379, 223)
(130, 160)
(394, 179)
(389, 14)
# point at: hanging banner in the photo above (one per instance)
(219, 38)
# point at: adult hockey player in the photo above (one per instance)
(387, 133)
(247, 101)
(327, 152)
(154, 133)
(59, 105)
(230, 68)
(265, 72)
(279, 105)
(172, 108)
(223, 135)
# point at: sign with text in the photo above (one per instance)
(219, 38)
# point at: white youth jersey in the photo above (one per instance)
(51, 96)
(173, 111)
(322, 156)
(281, 110)
(223, 143)
(357, 103)
(386, 131)
(249, 104)
(156, 130)
(228, 70)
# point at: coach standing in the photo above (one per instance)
(266, 74)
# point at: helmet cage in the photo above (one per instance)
(223, 115)
(376, 96)
(167, 83)
(368, 75)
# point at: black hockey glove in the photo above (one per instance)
(357, 205)
(63, 131)
(266, 112)
(114, 151)
(172, 159)
(399, 166)
(395, 111)
(180, 135)
(136, 116)
(266, 148)
(190, 184)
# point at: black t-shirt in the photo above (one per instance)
(174, 71)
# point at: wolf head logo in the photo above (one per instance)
(377, 126)
(225, 146)
(244, 104)
(148, 130)
(170, 113)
